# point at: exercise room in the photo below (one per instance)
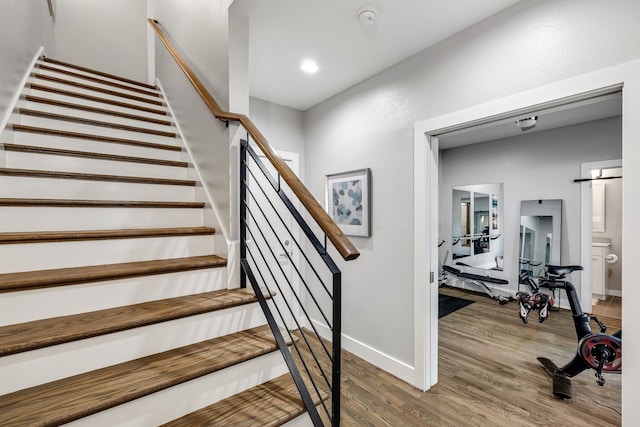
(513, 199)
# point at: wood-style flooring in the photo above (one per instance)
(488, 376)
(609, 307)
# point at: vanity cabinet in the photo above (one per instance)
(599, 253)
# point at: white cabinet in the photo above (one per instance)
(599, 253)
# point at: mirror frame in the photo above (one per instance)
(493, 259)
(552, 208)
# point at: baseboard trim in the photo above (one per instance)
(387, 363)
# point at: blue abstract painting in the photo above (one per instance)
(348, 198)
(346, 202)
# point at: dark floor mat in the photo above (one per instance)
(448, 304)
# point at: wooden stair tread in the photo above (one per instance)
(59, 330)
(97, 72)
(101, 138)
(67, 236)
(69, 93)
(70, 203)
(70, 73)
(34, 173)
(269, 404)
(55, 102)
(72, 398)
(92, 122)
(91, 155)
(110, 92)
(10, 282)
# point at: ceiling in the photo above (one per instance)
(282, 33)
(285, 32)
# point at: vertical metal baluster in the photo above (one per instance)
(243, 209)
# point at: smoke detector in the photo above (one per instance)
(367, 16)
(527, 123)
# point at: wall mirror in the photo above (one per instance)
(540, 234)
(477, 226)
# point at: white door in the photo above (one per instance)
(273, 240)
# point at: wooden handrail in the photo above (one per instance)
(332, 231)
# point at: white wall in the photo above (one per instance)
(282, 126)
(25, 26)
(199, 31)
(536, 166)
(370, 125)
(108, 35)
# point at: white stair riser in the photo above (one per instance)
(66, 219)
(95, 146)
(6, 136)
(63, 125)
(25, 306)
(44, 188)
(149, 94)
(21, 160)
(182, 399)
(39, 106)
(302, 420)
(98, 104)
(49, 364)
(101, 94)
(84, 73)
(43, 256)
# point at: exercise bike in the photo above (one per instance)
(599, 351)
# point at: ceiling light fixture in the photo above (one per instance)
(309, 66)
(527, 123)
(367, 16)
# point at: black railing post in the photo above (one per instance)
(336, 347)
(243, 210)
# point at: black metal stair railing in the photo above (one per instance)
(282, 257)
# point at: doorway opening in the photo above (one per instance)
(603, 211)
(427, 145)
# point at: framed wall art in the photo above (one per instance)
(348, 201)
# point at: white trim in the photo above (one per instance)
(20, 89)
(621, 75)
(387, 363)
(586, 299)
(425, 264)
(421, 357)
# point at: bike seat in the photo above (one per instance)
(558, 270)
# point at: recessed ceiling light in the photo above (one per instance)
(309, 66)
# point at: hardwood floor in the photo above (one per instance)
(488, 376)
(610, 307)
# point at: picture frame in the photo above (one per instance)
(348, 201)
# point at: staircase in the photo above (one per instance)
(114, 307)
